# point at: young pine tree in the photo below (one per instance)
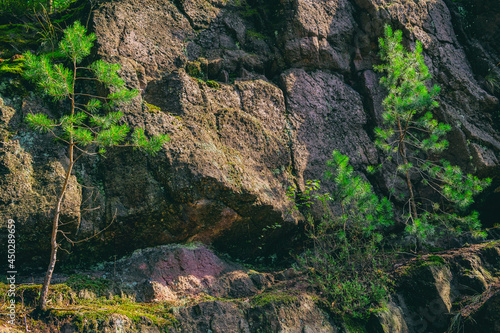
(344, 263)
(413, 138)
(89, 122)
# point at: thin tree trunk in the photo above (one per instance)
(55, 229)
(55, 224)
(413, 206)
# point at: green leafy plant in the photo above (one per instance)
(412, 139)
(344, 262)
(91, 122)
(306, 197)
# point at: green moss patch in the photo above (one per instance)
(193, 68)
(152, 108)
(90, 314)
(354, 325)
(437, 260)
(213, 84)
(94, 315)
(10, 66)
(421, 263)
(80, 282)
(273, 298)
(255, 34)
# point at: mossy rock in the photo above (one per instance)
(421, 263)
(152, 108)
(273, 297)
(59, 294)
(193, 68)
(97, 314)
(100, 314)
(213, 84)
(80, 282)
(256, 35)
(352, 325)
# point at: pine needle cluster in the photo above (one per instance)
(93, 122)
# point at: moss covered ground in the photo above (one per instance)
(86, 304)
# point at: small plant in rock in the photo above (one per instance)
(492, 82)
(344, 262)
(412, 139)
(90, 123)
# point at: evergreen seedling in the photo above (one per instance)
(344, 263)
(90, 122)
(412, 138)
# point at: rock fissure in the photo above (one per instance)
(180, 8)
(289, 132)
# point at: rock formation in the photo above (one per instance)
(255, 95)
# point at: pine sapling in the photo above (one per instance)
(90, 122)
(413, 139)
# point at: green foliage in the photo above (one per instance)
(106, 73)
(22, 7)
(15, 66)
(213, 84)
(85, 124)
(79, 282)
(344, 263)
(90, 123)
(306, 197)
(408, 100)
(412, 138)
(360, 206)
(151, 107)
(76, 45)
(193, 68)
(54, 79)
(492, 82)
(151, 146)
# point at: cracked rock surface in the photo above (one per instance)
(255, 95)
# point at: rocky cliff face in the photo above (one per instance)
(255, 95)
(191, 289)
(454, 290)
